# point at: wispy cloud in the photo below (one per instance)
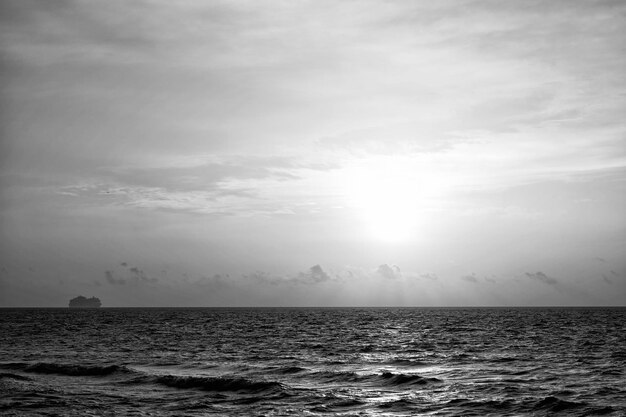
(429, 276)
(470, 278)
(542, 277)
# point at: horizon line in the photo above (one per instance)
(315, 307)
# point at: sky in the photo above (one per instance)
(313, 153)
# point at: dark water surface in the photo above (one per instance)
(283, 362)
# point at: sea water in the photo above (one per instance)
(313, 361)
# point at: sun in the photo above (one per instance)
(388, 196)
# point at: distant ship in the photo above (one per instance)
(82, 302)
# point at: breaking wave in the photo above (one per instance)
(404, 379)
(207, 383)
(387, 378)
(67, 369)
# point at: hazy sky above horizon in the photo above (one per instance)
(235, 153)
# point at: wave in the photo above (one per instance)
(339, 376)
(350, 402)
(406, 362)
(555, 404)
(400, 405)
(207, 383)
(608, 390)
(519, 372)
(404, 379)
(465, 403)
(68, 369)
(612, 372)
(548, 404)
(6, 375)
(289, 370)
(386, 378)
(503, 359)
(341, 405)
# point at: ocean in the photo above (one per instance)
(313, 361)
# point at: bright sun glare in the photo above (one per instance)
(388, 196)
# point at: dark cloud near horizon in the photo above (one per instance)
(314, 275)
(136, 274)
(470, 278)
(140, 275)
(216, 282)
(262, 277)
(389, 272)
(540, 276)
(110, 278)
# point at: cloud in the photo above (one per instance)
(470, 278)
(392, 139)
(314, 275)
(389, 272)
(540, 276)
(140, 275)
(217, 185)
(207, 175)
(607, 279)
(263, 278)
(215, 283)
(137, 275)
(430, 276)
(611, 277)
(112, 280)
